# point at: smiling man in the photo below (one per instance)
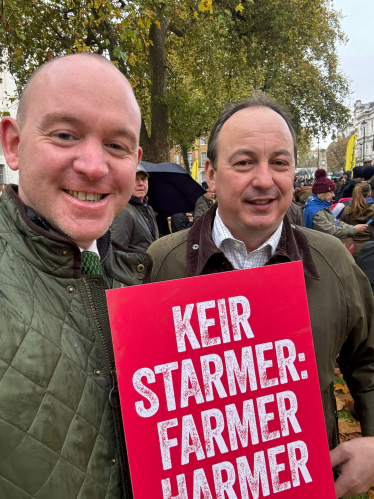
(75, 143)
(250, 165)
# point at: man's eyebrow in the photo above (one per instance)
(247, 152)
(126, 133)
(51, 118)
(281, 152)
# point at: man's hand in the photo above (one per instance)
(361, 227)
(357, 460)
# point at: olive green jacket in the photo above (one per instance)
(61, 436)
(340, 302)
(324, 221)
(202, 204)
(361, 237)
(130, 228)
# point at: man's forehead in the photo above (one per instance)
(256, 120)
(91, 80)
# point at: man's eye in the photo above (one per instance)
(116, 147)
(64, 136)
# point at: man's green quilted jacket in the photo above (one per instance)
(61, 434)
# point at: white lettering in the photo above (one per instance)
(210, 378)
(166, 369)
(183, 328)
(165, 442)
(205, 323)
(146, 392)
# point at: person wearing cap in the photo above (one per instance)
(317, 213)
(136, 226)
(203, 203)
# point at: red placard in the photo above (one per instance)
(217, 375)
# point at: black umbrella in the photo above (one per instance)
(171, 190)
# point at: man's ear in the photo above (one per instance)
(210, 175)
(10, 136)
(140, 154)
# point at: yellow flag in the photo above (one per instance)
(195, 170)
(350, 160)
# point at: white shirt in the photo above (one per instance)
(235, 250)
(92, 248)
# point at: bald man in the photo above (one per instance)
(75, 143)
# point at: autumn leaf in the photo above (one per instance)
(343, 388)
(206, 5)
(158, 24)
(239, 8)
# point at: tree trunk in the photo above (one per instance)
(159, 139)
(185, 158)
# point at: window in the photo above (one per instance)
(2, 174)
(202, 141)
(203, 158)
(190, 159)
(177, 159)
(203, 177)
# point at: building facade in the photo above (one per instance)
(197, 153)
(8, 106)
(362, 124)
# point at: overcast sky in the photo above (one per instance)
(357, 56)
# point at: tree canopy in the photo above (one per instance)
(187, 60)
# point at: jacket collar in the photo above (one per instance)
(48, 247)
(293, 246)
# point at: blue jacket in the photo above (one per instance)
(312, 205)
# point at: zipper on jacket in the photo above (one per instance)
(116, 408)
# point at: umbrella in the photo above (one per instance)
(303, 172)
(171, 190)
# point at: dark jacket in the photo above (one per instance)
(295, 214)
(180, 221)
(360, 238)
(135, 227)
(202, 204)
(347, 190)
(60, 436)
(340, 302)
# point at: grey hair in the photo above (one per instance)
(258, 99)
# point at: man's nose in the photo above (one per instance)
(91, 160)
(263, 176)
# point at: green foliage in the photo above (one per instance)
(216, 52)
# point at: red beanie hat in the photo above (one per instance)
(322, 183)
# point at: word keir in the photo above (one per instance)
(184, 329)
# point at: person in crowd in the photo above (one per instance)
(251, 159)
(301, 195)
(136, 227)
(346, 176)
(368, 175)
(295, 214)
(338, 183)
(347, 191)
(317, 213)
(75, 143)
(361, 212)
(180, 221)
(203, 203)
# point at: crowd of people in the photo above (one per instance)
(75, 142)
